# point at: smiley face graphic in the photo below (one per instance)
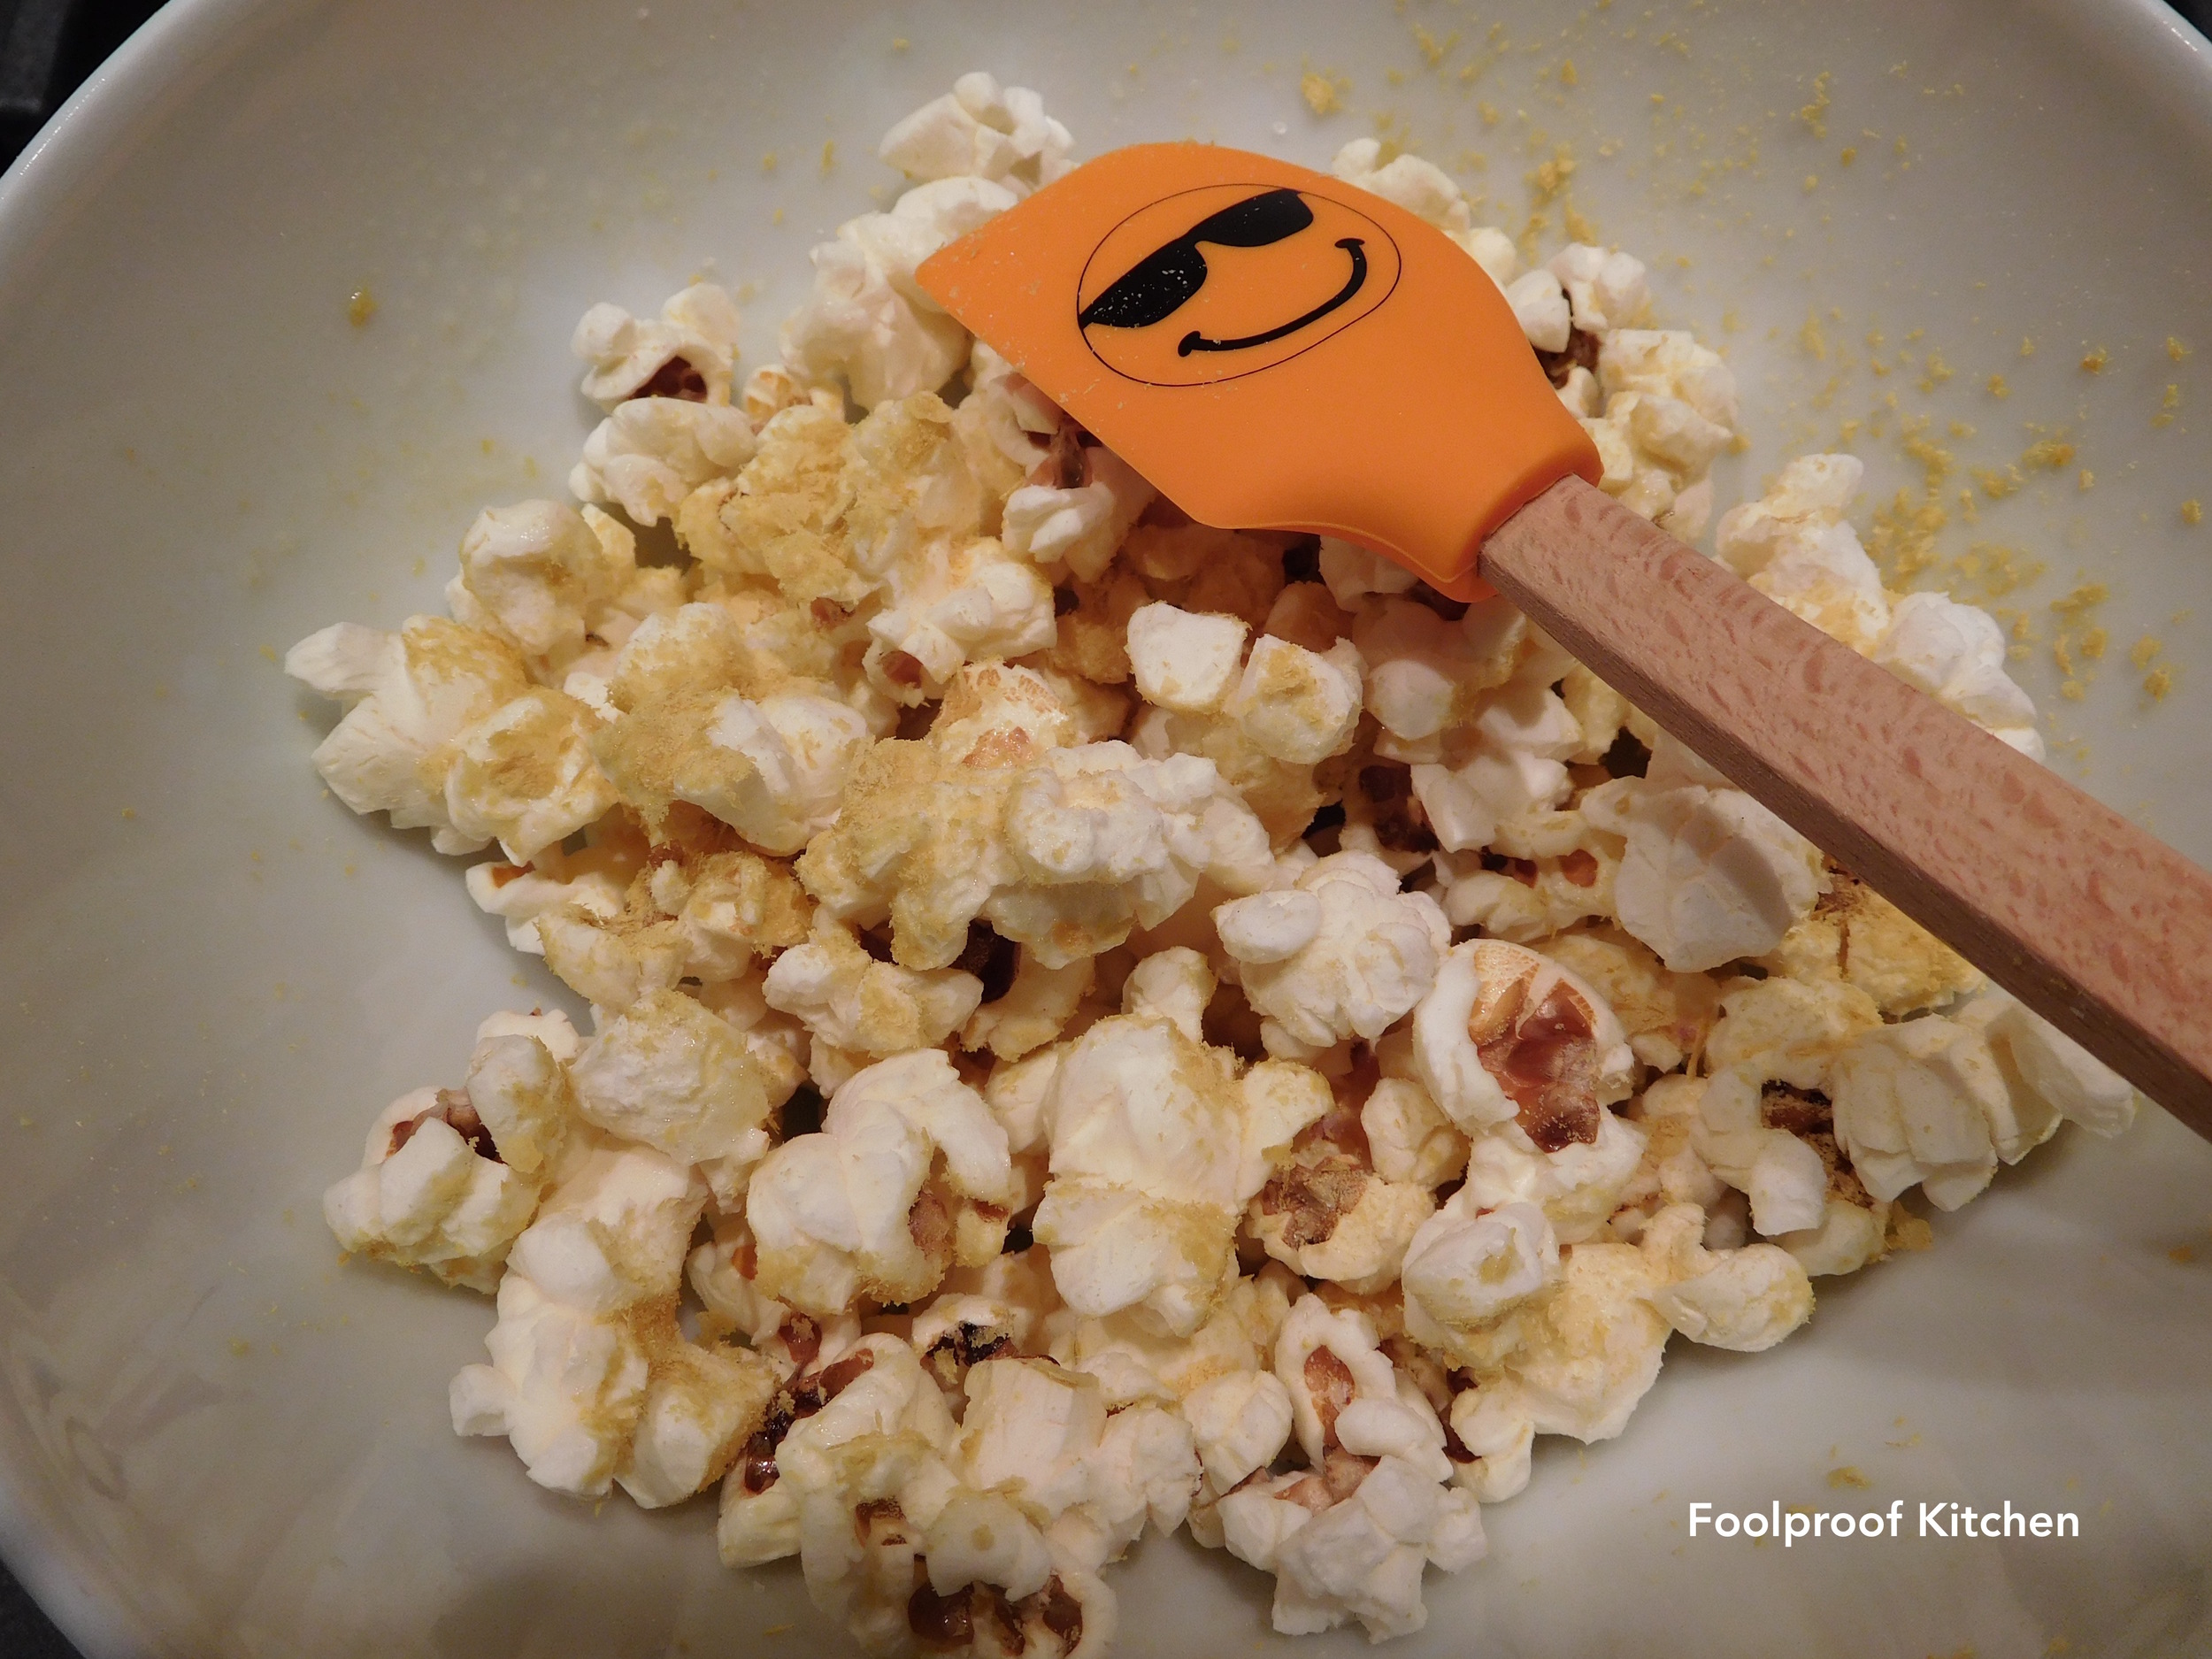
(1222, 281)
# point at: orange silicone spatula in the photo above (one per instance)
(1274, 348)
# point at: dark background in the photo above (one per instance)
(47, 47)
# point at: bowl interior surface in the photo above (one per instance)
(215, 1440)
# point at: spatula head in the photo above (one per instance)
(1274, 350)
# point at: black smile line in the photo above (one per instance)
(1352, 245)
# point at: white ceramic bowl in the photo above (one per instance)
(215, 1441)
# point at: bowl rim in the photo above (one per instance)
(61, 167)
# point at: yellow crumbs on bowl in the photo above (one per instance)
(2095, 362)
(2144, 651)
(1324, 94)
(2048, 452)
(1997, 387)
(2175, 349)
(1815, 114)
(1847, 1476)
(2157, 683)
(2193, 511)
(360, 306)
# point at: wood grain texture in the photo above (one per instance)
(2103, 930)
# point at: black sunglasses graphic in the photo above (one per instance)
(1161, 283)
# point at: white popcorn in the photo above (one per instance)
(1588, 1352)
(1956, 653)
(1034, 1011)
(1670, 410)
(542, 575)
(700, 1405)
(1344, 953)
(688, 351)
(854, 1210)
(1425, 673)
(850, 1000)
(1295, 705)
(1469, 1266)
(1240, 1424)
(518, 1087)
(570, 1359)
(1577, 1184)
(867, 321)
(1182, 661)
(593, 881)
(1426, 191)
(1510, 774)
(408, 697)
(1607, 289)
(2043, 1061)
(1148, 1145)
(524, 774)
(1795, 545)
(981, 130)
(1063, 850)
(1351, 572)
(951, 605)
(668, 1074)
(1709, 874)
(1078, 526)
(1539, 306)
(1746, 1300)
(1325, 1215)
(432, 1191)
(1914, 1104)
(1410, 1138)
(1506, 1034)
(652, 452)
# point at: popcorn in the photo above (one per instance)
(586, 1305)
(525, 775)
(1426, 191)
(1327, 1216)
(1708, 874)
(1795, 545)
(1184, 662)
(1410, 1138)
(1670, 410)
(542, 575)
(1507, 778)
(1351, 1539)
(1504, 1035)
(867, 321)
(686, 353)
(1919, 1104)
(1295, 705)
(1060, 849)
(1899, 964)
(1343, 953)
(593, 881)
(1351, 572)
(432, 1191)
(950, 605)
(1607, 289)
(652, 452)
(1077, 519)
(408, 697)
(1239, 1424)
(981, 130)
(1539, 306)
(850, 1000)
(773, 771)
(668, 1074)
(1148, 1145)
(1424, 672)
(856, 1208)
(2042, 1060)
(1746, 1300)
(1957, 654)
(1468, 1267)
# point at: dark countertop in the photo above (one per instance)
(47, 48)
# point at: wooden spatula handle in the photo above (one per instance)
(2101, 929)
